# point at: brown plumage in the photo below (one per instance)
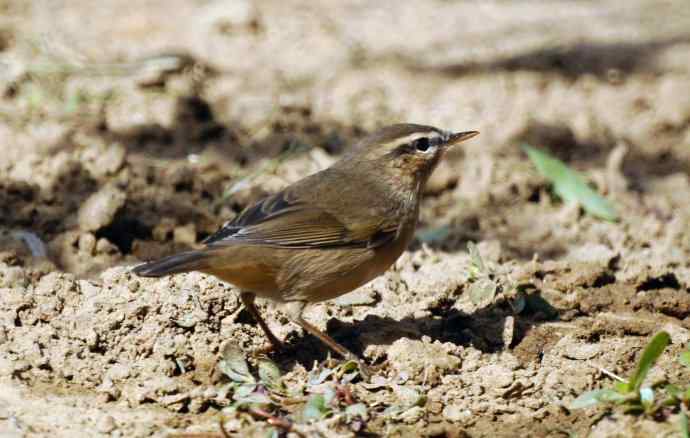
(328, 233)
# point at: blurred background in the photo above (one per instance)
(130, 130)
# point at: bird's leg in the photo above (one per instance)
(294, 310)
(248, 301)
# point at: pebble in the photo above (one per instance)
(496, 376)
(424, 361)
(100, 208)
(363, 296)
(456, 414)
(679, 335)
(87, 243)
(106, 424)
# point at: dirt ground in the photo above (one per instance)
(130, 130)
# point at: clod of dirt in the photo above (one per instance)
(365, 296)
(104, 160)
(100, 208)
(497, 376)
(238, 15)
(457, 414)
(423, 361)
(571, 349)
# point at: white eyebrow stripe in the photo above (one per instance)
(412, 137)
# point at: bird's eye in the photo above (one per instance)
(421, 144)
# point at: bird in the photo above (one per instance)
(326, 234)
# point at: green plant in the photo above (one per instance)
(486, 281)
(570, 185)
(264, 396)
(630, 393)
(635, 398)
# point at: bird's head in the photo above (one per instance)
(407, 149)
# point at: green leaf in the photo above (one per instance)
(269, 374)
(649, 357)
(684, 358)
(255, 398)
(316, 408)
(673, 390)
(244, 390)
(591, 398)
(476, 258)
(683, 425)
(234, 365)
(348, 371)
(570, 185)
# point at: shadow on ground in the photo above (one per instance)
(602, 60)
(483, 329)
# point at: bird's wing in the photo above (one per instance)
(281, 220)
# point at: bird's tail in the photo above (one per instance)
(174, 264)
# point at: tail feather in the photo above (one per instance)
(174, 264)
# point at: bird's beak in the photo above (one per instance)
(459, 137)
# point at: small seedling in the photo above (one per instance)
(630, 393)
(247, 390)
(487, 281)
(570, 185)
(264, 396)
(662, 397)
(409, 398)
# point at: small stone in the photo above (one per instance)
(13, 276)
(422, 361)
(412, 415)
(457, 414)
(508, 331)
(363, 296)
(87, 243)
(100, 159)
(420, 314)
(112, 159)
(591, 253)
(103, 246)
(232, 15)
(106, 424)
(581, 351)
(92, 339)
(119, 372)
(572, 348)
(210, 393)
(133, 284)
(108, 391)
(679, 335)
(185, 234)
(496, 376)
(100, 208)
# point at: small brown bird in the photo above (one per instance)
(326, 234)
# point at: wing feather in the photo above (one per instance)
(282, 221)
